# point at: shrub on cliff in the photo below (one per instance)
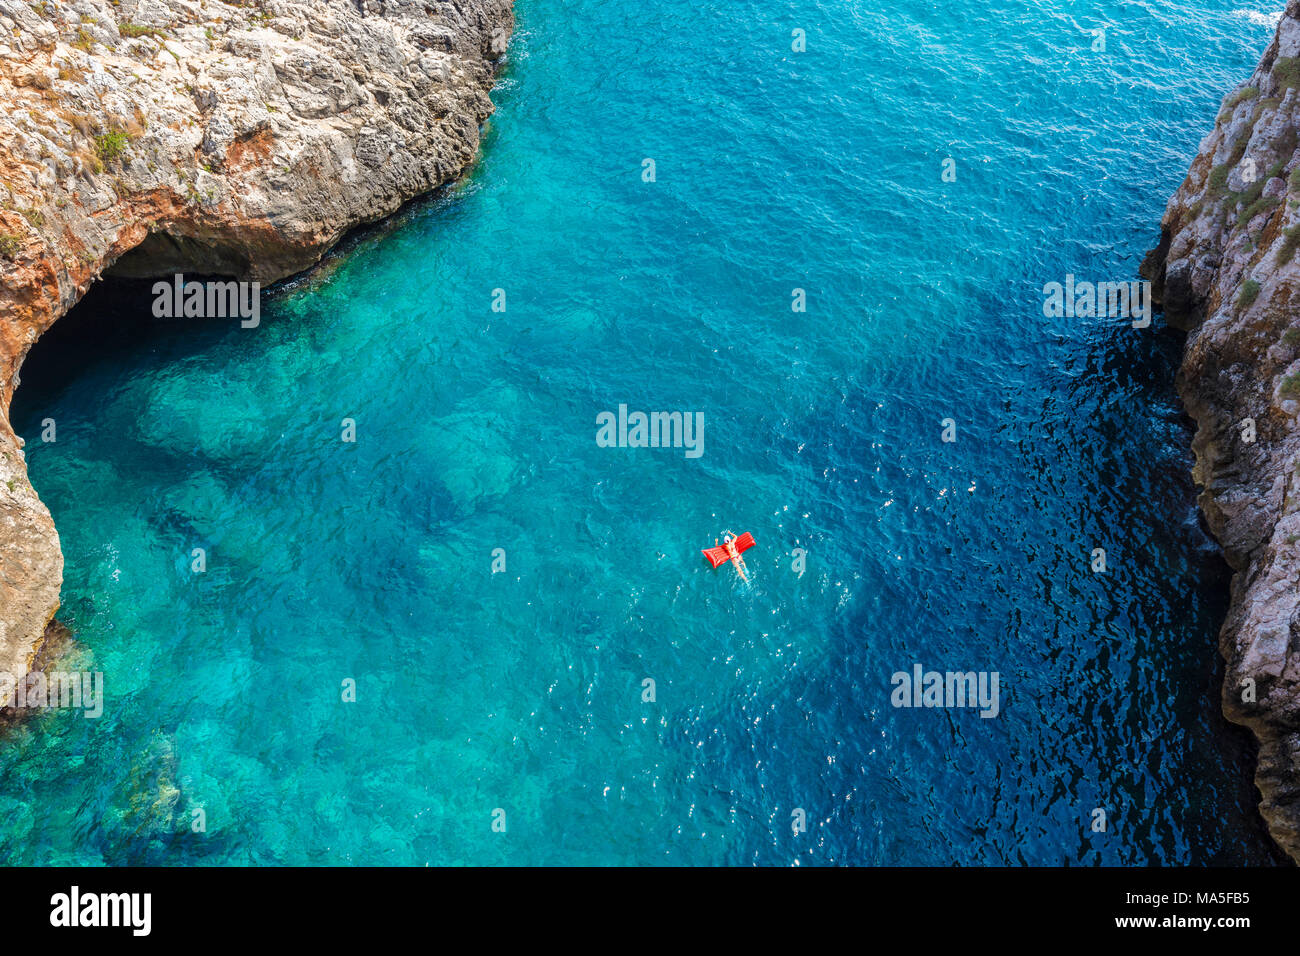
(1290, 243)
(1287, 71)
(1218, 182)
(1262, 204)
(109, 146)
(1249, 293)
(1248, 93)
(133, 31)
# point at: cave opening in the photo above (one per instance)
(113, 326)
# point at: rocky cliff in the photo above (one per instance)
(241, 139)
(1226, 270)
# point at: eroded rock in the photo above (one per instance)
(1226, 269)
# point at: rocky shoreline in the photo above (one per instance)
(1225, 271)
(240, 138)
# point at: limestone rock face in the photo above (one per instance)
(145, 137)
(1226, 269)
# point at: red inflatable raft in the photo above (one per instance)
(718, 554)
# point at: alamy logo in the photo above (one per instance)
(74, 909)
(81, 690)
(1086, 300)
(208, 300)
(653, 430)
(922, 688)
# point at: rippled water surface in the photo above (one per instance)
(522, 690)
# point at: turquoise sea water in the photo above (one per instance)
(522, 690)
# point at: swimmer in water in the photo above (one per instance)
(729, 543)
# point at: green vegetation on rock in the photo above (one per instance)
(1287, 71)
(1249, 293)
(109, 146)
(1290, 243)
(134, 31)
(1240, 96)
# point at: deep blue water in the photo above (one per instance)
(522, 690)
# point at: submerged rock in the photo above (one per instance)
(1225, 270)
(147, 137)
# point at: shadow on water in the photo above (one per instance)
(113, 324)
(1140, 367)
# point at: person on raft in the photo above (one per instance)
(729, 543)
